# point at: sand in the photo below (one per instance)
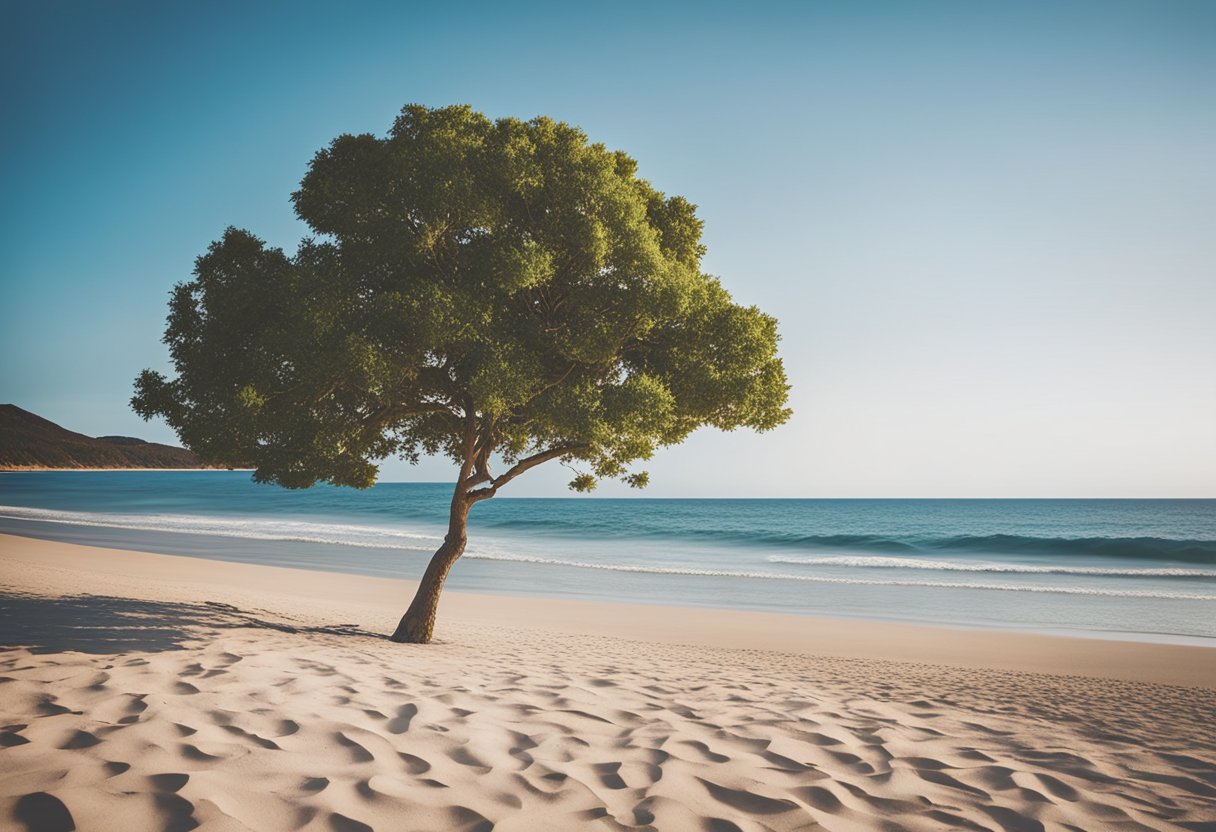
(148, 691)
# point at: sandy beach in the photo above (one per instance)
(142, 691)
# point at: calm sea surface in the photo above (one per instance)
(1142, 569)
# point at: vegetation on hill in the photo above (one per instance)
(29, 441)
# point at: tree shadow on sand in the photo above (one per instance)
(100, 624)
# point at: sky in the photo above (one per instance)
(988, 230)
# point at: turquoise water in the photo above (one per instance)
(1117, 568)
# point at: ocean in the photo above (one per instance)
(1138, 569)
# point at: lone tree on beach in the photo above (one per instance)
(502, 292)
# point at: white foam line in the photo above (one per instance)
(861, 562)
(298, 531)
(380, 538)
(819, 579)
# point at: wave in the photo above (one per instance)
(863, 562)
(1147, 548)
(1142, 548)
(303, 531)
(294, 531)
(819, 579)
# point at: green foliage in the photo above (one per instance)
(29, 441)
(476, 288)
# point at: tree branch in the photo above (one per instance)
(481, 457)
(388, 413)
(470, 441)
(555, 382)
(524, 464)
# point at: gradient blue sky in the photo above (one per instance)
(988, 229)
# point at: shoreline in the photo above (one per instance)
(33, 564)
(225, 547)
(143, 691)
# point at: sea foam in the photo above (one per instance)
(378, 537)
(863, 562)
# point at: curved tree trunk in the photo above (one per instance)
(418, 624)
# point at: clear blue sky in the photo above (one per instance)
(988, 229)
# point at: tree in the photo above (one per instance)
(502, 292)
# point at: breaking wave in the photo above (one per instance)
(379, 537)
(862, 562)
(822, 579)
(296, 531)
(1143, 548)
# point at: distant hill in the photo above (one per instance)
(31, 442)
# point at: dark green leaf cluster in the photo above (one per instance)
(476, 288)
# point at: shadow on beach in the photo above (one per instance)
(101, 624)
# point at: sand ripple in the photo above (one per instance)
(242, 727)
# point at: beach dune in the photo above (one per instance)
(142, 691)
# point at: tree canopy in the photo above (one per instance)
(489, 290)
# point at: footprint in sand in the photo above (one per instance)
(608, 775)
(943, 779)
(745, 801)
(405, 714)
(47, 706)
(703, 751)
(10, 736)
(314, 784)
(169, 782)
(193, 752)
(464, 757)
(341, 823)
(643, 814)
(177, 813)
(467, 820)
(821, 799)
(80, 739)
(415, 765)
(1058, 788)
(1011, 820)
(358, 753)
(133, 709)
(270, 745)
(720, 825)
(42, 812)
(788, 765)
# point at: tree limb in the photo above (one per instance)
(481, 457)
(470, 441)
(388, 413)
(524, 464)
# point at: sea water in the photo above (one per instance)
(1142, 569)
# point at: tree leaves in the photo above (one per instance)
(478, 288)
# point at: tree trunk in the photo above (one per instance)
(418, 624)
